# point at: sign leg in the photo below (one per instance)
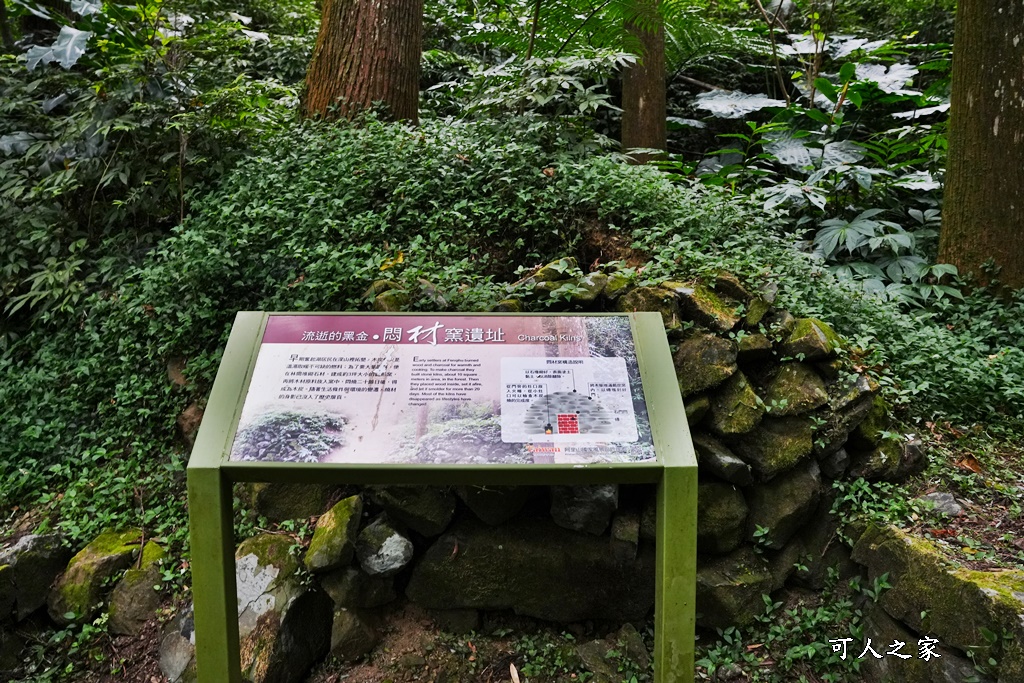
(676, 575)
(213, 576)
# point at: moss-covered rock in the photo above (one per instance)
(494, 504)
(589, 288)
(795, 389)
(135, 598)
(730, 285)
(704, 306)
(882, 462)
(735, 408)
(811, 339)
(32, 564)
(509, 306)
(382, 550)
(77, 595)
(721, 517)
(653, 299)
(284, 626)
(426, 510)
(279, 502)
(556, 270)
(392, 301)
(351, 587)
(353, 635)
(776, 444)
(696, 408)
(783, 505)
(378, 287)
(956, 605)
(534, 567)
(618, 283)
(757, 309)
(703, 362)
(551, 285)
(625, 534)
(753, 347)
(729, 588)
(849, 403)
(715, 458)
(868, 434)
(334, 539)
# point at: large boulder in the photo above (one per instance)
(381, 549)
(284, 626)
(704, 306)
(334, 539)
(721, 517)
(783, 505)
(958, 606)
(533, 566)
(810, 339)
(427, 510)
(651, 299)
(134, 599)
(32, 564)
(704, 361)
(584, 508)
(77, 595)
(729, 588)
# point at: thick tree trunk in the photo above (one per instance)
(983, 213)
(367, 51)
(643, 91)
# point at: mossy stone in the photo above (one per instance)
(811, 339)
(757, 309)
(352, 635)
(271, 550)
(651, 299)
(617, 284)
(33, 563)
(729, 588)
(776, 444)
(713, 457)
(868, 433)
(350, 587)
(703, 362)
(78, 593)
(721, 517)
(795, 389)
(134, 600)
(753, 347)
(730, 285)
(952, 604)
(391, 301)
(382, 550)
(551, 285)
(704, 306)
(881, 462)
(589, 288)
(280, 502)
(735, 408)
(378, 287)
(556, 270)
(334, 539)
(509, 306)
(696, 408)
(783, 505)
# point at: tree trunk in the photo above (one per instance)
(983, 211)
(643, 89)
(367, 51)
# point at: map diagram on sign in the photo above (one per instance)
(566, 400)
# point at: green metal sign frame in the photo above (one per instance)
(211, 475)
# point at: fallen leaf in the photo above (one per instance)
(969, 462)
(514, 673)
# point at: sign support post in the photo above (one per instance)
(212, 470)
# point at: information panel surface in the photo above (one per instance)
(448, 390)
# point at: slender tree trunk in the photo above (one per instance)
(367, 51)
(5, 28)
(643, 88)
(983, 213)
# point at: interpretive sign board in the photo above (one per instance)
(443, 399)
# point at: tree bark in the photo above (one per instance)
(643, 90)
(983, 211)
(367, 51)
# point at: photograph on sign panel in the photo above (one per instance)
(445, 389)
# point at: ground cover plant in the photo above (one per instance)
(156, 178)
